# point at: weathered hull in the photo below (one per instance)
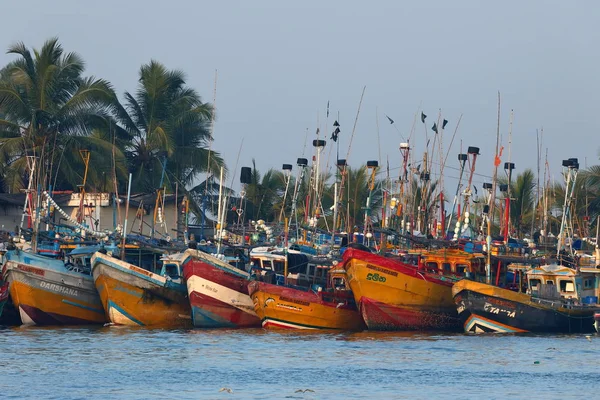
(488, 309)
(3, 296)
(44, 297)
(135, 297)
(281, 307)
(218, 294)
(597, 321)
(396, 296)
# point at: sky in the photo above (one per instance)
(280, 63)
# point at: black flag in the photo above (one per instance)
(336, 123)
(423, 116)
(334, 135)
(391, 120)
(434, 127)
(444, 124)
(475, 187)
(327, 108)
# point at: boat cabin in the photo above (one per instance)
(560, 282)
(302, 270)
(454, 262)
(172, 267)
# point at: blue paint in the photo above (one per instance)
(71, 303)
(111, 304)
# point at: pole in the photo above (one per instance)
(126, 217)
(219, 212)
(285, 250)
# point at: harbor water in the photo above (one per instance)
(125, 363)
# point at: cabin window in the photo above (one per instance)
(461, 269)
(534, 283)
(172, 271)
(447, 268)
(588, 284)
(311, 270)
(279, 266)
(566, 286)
(255, 262)
(338, 283)
(266, 264)
(549, 282)
(432, 267)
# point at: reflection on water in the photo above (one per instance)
(121, 362)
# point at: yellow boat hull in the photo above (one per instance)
(130, 296)
(42, 302)
(395, 296)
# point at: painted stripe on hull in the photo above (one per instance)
(234, 298)
(42, 307)
(34, 316)
(118, 316)
(479, 324)
(270, 323)
(380, 316)
(208, 312)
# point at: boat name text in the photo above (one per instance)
(59, 289)
(497, 310)
(382, 270)
(303, 303)
(27, 268)
(375, 277)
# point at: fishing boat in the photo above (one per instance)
(218, 292)
(559, 299)
(48, 291)
(315, 294)
(393, 294)
(561, 296)
(148, 294)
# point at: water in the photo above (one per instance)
(125, 363)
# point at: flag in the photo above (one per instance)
(423, 116)
(334, 135)
(327, 108)
(434, 127)
(336, 123)
(444, 124)
(391, 120)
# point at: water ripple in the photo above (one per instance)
(126, 363)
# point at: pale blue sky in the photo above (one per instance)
(280, 62)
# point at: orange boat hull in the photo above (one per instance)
(282, 307)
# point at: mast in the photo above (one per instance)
(488, 266)
(570, 168)
(372, 167)
(287, 170)
(219, 211)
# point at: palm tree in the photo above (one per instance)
(523, 201)
(170, 126)
(265, 194)
(49, 110)
(354, 198)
